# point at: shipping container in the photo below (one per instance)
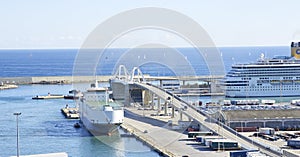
(245, 129)
(294, 143)
(267, 131)
(204, 138)
(207, 141)
(240, 153)
(255, 154)
(224, 144)
(199, 138)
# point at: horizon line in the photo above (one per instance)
(77, 48)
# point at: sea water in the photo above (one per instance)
(44, 129)
(60, 62)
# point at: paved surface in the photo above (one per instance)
(172, 143)
(202, 119)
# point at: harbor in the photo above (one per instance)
(43, 122)
(164, 137)
(150, 79)
(156, 110)
(149, 123)
(174, 124)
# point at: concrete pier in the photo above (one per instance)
(161, 138)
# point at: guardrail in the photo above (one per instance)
(266, 148)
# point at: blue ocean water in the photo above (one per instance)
(43, 129)
(59, 62)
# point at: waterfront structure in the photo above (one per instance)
(278, 76)
(99, 113)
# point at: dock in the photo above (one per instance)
(70, 113)
(165, 141)
(7, 86)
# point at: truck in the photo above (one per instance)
(266, 131)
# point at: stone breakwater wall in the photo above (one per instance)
(52, 79)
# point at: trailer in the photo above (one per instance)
(255, 154)
(267, 131)
(295, 143)
(224, 144)
(227, 102)
(268, 102)
(295, 102)
(240, 153)
(246, 102)
(207, 140)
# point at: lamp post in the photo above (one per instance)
(17, 118)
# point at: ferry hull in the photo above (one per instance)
(98, 129)
(100, 122)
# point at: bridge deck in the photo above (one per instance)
(192, 112)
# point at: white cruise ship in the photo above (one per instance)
(98, 113)
(279, 76)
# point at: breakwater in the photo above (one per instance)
(52, 79)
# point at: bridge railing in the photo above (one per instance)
(218, 122)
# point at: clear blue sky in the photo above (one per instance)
(66, 23)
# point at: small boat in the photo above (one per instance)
(49, 96)
(71, 97)
(77, 125)
(70, 113)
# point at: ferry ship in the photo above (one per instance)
(275, 77)
(99, 113)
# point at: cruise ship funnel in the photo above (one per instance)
(295, 50)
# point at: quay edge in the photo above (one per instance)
(139, 135)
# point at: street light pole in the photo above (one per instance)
(17, 118)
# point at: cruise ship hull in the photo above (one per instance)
(268, 77)
(245, 94)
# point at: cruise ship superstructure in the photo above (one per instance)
(278, 76)
(98, 112)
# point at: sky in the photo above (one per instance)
(67, 23)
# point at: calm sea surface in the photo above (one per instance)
(60, 62)
(43, 129)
